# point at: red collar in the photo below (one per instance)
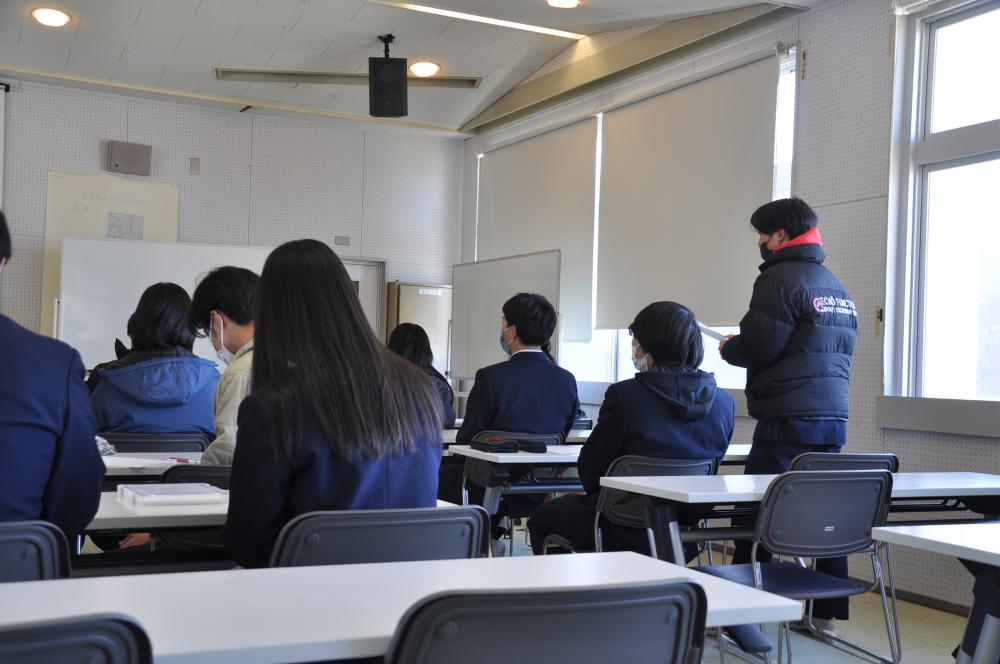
(811, 236)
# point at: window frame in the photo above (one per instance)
(916, 152)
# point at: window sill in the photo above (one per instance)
(954, 416)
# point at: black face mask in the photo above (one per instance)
(765, 253)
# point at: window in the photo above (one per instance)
(784, 128)
(947, 166)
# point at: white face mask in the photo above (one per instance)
(224, 354)
(640, 363)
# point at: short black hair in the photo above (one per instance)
(231, 290)
(534, 316)
(160, 319)
(670, 333)
(791, 215)
(4, 238)
(410, 341)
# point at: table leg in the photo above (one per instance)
(661, 520)
(981, 641)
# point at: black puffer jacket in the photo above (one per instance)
(797, 339)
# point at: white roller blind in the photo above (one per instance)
(538, 195)
(681, 174)
(3, 100)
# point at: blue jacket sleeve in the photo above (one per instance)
(258, 489)
(765, 329)
(73, 492)
(605, 442)
(572, 415)
(447, 403)
(478, 410)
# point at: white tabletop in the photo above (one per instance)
(724, 489)
(116, 515)
(448, 436)
(979, 542)
(145, 463)
(341, 611)
(564, 454)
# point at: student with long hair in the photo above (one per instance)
(335, 421)
(410, 341)
(528, 393)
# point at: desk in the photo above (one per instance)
(978, 542)
(113, 514)
(578, 437)
(730, 489)
(568, 454)
(144, 464)
(341, 611)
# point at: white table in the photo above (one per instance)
(576, 436)
(565, 454)
(978, 542)
(145, 464)
(112, 514)
(341, 611)
(730, 489)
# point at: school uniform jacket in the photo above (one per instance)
(49, 464)
(526, 394)
(268, 488)
(234, 386)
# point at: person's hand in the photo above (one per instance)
(135, 539)
(724, 340)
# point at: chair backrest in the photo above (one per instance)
(157, 442)
(628, 509)
(381, 536)
(663, 623)
(820, 514)
(32, 551)
(97, 639)
(217, 476)
(835, 461)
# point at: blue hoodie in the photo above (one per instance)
(168, 391)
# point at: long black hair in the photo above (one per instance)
(411, 341)
(535, 319)
(670, 333)
(160, 319)
(315, 351)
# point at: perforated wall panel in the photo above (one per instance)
(21, 280)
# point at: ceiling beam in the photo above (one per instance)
(331, 78)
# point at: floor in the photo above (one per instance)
(928, 635)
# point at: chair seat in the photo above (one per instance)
(788, 580)
(558, 541)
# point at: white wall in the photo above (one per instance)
(264, 180)
(842, 169)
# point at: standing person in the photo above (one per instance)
(222, 310)
(410, 341)
(528, 393)
(160, 386)
(49, 464)
(335, 421)
(669, 410)
(796, 343)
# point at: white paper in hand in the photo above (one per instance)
(709, 332)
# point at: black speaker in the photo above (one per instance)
(387, 87)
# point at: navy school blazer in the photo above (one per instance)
(527, 394)
(49, 464)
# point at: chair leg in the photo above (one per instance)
(890, 614)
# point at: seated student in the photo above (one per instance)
(160, 386)
(670, 410)
(528, 393)
(222, 310)
(410, 341)
(49, 464)
(335, 420)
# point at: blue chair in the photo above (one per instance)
(96, 639)
(662, 623)
(32, 551)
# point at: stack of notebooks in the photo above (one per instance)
(195, 493)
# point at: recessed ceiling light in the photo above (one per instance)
(423, 68)
(564, 4)
(462, 16)
(53, 18)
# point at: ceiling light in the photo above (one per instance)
(53, 18)
(478, 19)
(564, 4)
(423, 68)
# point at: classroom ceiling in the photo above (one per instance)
(176, 44)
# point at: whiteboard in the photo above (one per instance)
(478, 293)
(101, 281)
